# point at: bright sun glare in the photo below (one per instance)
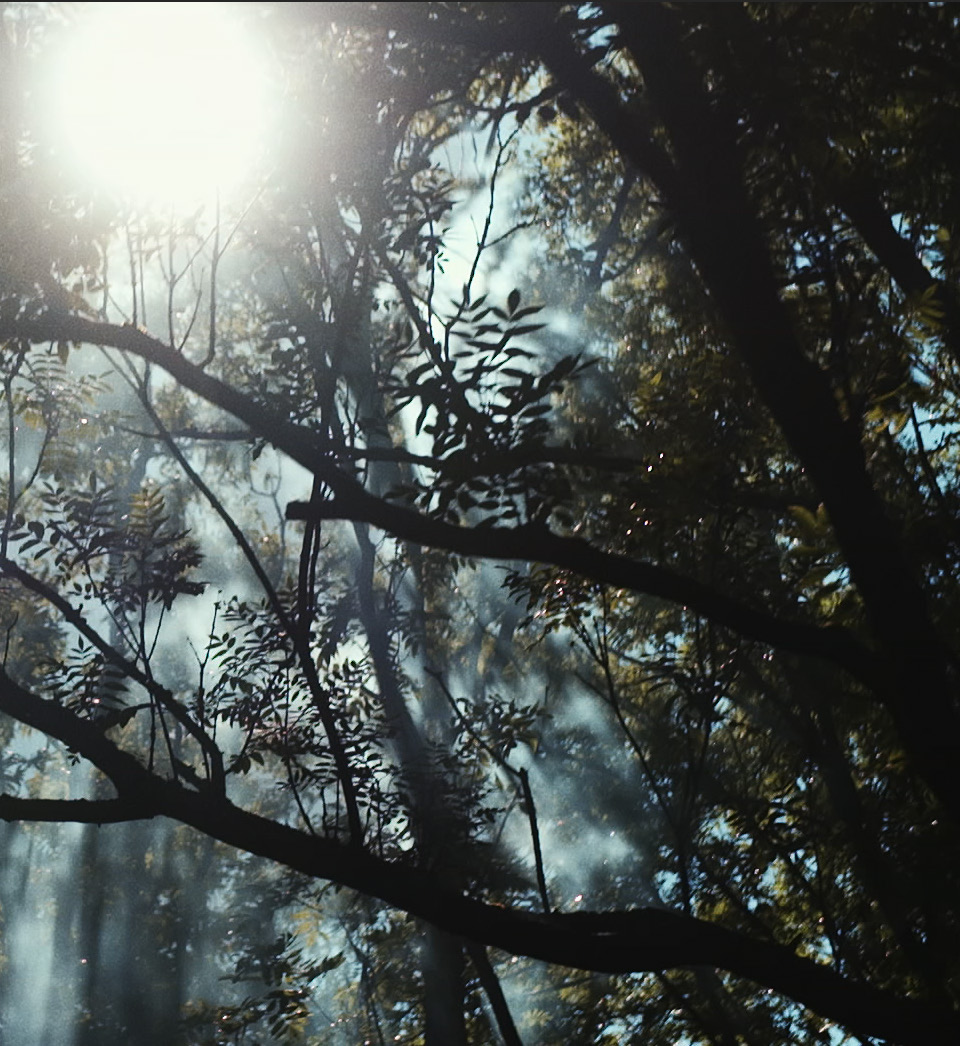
(164, 102)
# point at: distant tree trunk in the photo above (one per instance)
(90, 907)
(59, 1009)
(444, 992)
(444, 961)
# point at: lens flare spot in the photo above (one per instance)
(163, 101)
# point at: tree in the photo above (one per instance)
(730, 536)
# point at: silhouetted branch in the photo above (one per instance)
(644, 939)
(539, 545)
(702, 185)
(77, 811)
(352, 502)
(520, 776)
(494, 992)
(132, 671)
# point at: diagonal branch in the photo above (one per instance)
(539, 545)
(159, 693)
(352, 501)
(852, 187)
(491, 985)
(645, 939)
(705, 191)
(293, 629)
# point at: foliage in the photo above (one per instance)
(631, 655)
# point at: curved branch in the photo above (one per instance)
(301, 444)
(539, 545)
(639, 940)
(353, 502)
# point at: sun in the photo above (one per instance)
(165, 102)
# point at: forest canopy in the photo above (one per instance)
(478, 547)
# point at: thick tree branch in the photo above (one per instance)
(539, 545)
(303, 446)
(644, 939)
(851, 188)
(705, 191)
(352, 502)
(77, 811)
